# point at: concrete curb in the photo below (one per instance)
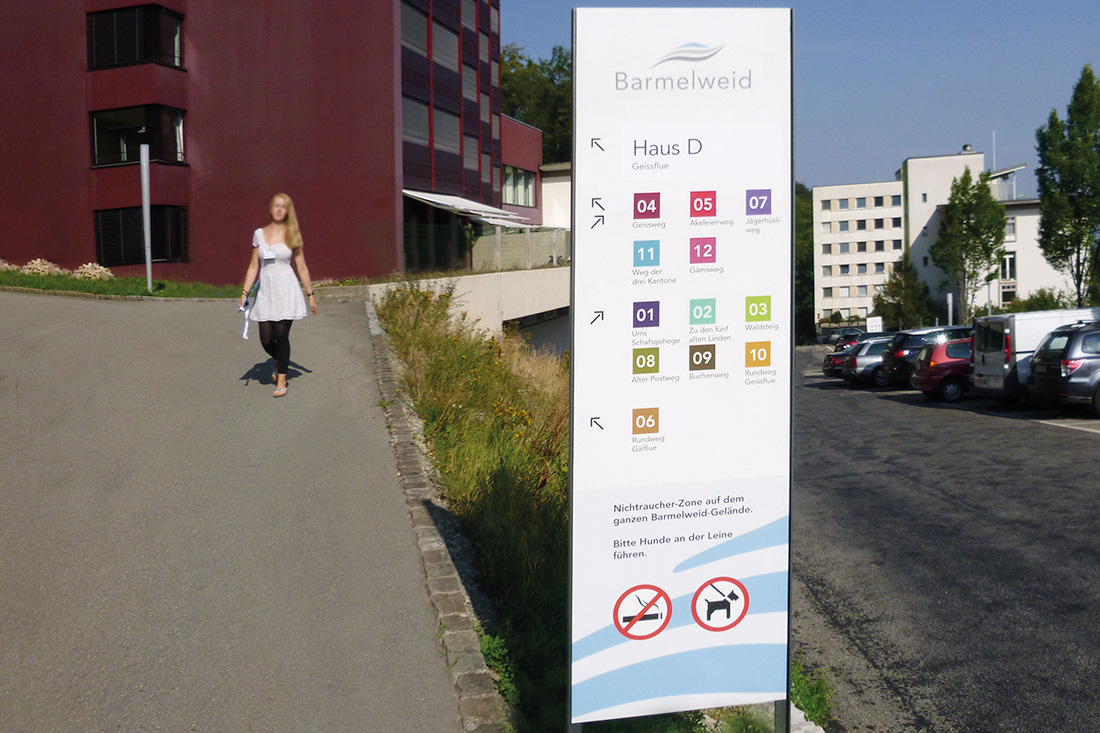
(448, 561)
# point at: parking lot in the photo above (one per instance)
(946, 559)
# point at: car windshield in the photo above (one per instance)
(875, 348)
(1053, 346)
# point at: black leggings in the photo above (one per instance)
(275, 338)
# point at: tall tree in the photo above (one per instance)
(1069, 185)
(540, 94)
(803, 264)
(903, 302)
(970, 244)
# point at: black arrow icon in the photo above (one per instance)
(592, 423)
(596, 202)
(599, 317)
(599, 220)
(596, 143)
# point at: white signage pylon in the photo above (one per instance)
(682, 232)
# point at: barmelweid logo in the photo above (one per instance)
(693, 80)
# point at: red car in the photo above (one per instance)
(942, 371)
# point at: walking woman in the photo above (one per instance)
(279, 301)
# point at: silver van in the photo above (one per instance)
(1003, 346)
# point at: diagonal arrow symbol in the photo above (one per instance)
(599, 220)
(596, 202)
(593, 424)
(599, 317)
(596, 143)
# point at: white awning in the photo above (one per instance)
(466, 207)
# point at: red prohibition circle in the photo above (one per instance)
(625, 627)
(704, 586)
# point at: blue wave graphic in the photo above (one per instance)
(747, 668)
(770, 535)
(767, 594)
(690, 52)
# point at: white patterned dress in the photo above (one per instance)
(280, 296)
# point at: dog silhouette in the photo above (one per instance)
(723, 605)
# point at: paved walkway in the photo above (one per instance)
(181, 551)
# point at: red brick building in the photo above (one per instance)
(340, 105)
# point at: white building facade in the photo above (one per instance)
(861, 230)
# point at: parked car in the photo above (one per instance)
(1066, 366)
(901, 353)
(833, 364)
(832, 337)
(942, 371)
(864, 362)
(1003, 346)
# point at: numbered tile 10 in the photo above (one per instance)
(646, 420)
(758, 308)
(758, 354)
(703, 311)
(647, 361)
(702, 357)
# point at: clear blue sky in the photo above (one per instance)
(879, 81)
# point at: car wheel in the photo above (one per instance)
(880, 378)
(951, 390)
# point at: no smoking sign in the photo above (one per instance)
(643, 612)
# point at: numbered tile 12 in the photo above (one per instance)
(703, 250)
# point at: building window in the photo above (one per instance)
(414, 29)
(861, 291)
(117, 135)
(826, 249)
(880, 223)
(861, 203)
(826, 292)
(448, 132)
(826, 205)
(842, 292)
(1010, 229)
(895, 200)
(1008, 294)
(842, 204)
(138, 35)
(880, 246)
(924, 198)
(519, 187)
(861, 225)
(485, 108)
(414, 121)
(843, 226)
(494, 20)
(897, 244)
(827, 270)
(496, 179)
(496, 127)
(925, 260)
(1008, 266)
(445, 47)
(844, 269)
(842, 248)
(469, 14)
(861, 246)
(483, 48)
(861, 312)
(896, 222)
(486, 168)
(470, 154)
(861, 269)
(878, 202)
(469, 83)
(120, 235)
(880, 267)
(826, 227)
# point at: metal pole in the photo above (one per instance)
(782, 716)
(145, 217)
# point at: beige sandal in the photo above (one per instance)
(279, 392)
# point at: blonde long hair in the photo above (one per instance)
(293, 234)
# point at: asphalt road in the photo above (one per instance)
(180, 551)
(946, 559)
